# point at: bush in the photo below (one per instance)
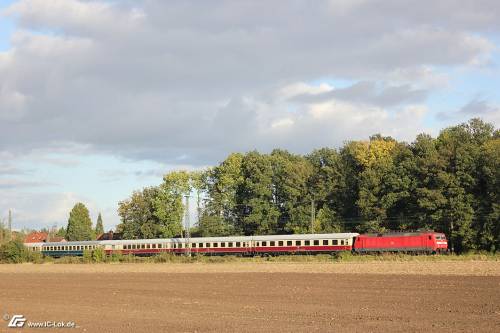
(115, 257)
(14, 251)
(87, 256)
(37, 257)
(68, 260)
(98, 255)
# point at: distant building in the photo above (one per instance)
(42, 237)
(110, 235)
(36, 237)
(57, 239)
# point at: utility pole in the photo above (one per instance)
(187, 225)
(313, 216)
(10, 225)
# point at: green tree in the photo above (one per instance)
(99, 227)
(14, 251)
(61, 232)
(222, 184)
(290, 192)
(257, 213)
(137, 213)
(79, 224)
(168, 204)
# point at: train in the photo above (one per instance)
(423, 242)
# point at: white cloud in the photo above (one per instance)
(36, 210)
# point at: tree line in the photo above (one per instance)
(448, 184)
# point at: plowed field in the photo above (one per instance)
(255, 298)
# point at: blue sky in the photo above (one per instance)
(6, 28)
(127, 91)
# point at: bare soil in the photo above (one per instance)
(374, 297)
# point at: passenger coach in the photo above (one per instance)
(242, 245)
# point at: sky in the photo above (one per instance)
(101, 98)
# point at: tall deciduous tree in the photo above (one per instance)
(138, 218)
(79, 224)
(168, 204)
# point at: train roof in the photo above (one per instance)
(207, 239)
(401, 233)
(234, 238)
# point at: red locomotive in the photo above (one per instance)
(412, 242)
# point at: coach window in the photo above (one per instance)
(298, 243)
(280, 243)
(238, 244)
(216, 244)
(200, 245)
(342, 242)
(207, 244)
(289, 243)
(316, 242)
(335, 242)
(223, 244)
(272, 243)
(257, 243)
(230, 244)
(264, 243)
(193, 245)
(325, 242)
(307, 243)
